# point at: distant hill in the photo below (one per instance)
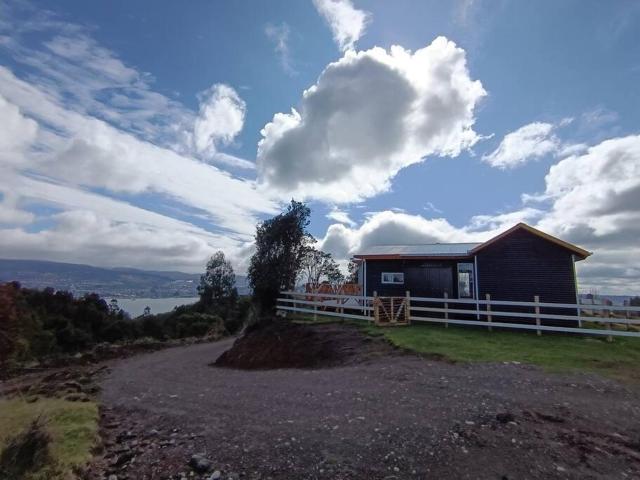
(115, 282)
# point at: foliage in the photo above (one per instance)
(39, 323)
(26, 452)
(281, 243)
(218, 282)
(318, 265)
(72, 427)
(9, 325)
(352, 269)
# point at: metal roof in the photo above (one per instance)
(424, 250)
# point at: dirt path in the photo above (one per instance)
(396, 416)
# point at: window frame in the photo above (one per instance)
(382, 280)
(467, 267)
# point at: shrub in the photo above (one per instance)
(25, 452)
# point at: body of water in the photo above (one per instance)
(135, 306)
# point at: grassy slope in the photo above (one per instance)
(619, 359)
(73, 427)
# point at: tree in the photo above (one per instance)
(352, 269)
(318, 265)
(218, 284)
(9, 322)
(281, 243)
(114, 308)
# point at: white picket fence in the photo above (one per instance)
(611, 321)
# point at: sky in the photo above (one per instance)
(151, 134)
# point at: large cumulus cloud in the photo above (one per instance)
(370, 114)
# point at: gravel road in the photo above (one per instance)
(396, 416)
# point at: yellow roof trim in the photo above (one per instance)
(569, 246)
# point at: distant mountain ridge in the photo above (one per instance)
(117, 282)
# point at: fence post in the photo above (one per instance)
(489, 311)
(393, 313)
(536, 299)
(315, 308)
(375, 307)
(407, 308)
(628, 317)
(446, 309)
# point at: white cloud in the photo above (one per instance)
(591, 199)
(99, 230)
(595, 201)
(529, 142)
(279, 36)
(89, 152)
(340, 216)
(347, 23)
(17, 133)
(369, 115)
(220, 119)
(85, 139)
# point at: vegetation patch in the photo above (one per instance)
(46, 439)
(618, 359)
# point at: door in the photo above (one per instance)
(429, 281)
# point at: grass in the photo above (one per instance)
(619, 359)
(554, 352)
(73, 427)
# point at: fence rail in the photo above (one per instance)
(526, 316)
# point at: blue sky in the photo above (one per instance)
(150, 134)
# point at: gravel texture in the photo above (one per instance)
(389, 416)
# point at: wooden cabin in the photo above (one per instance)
(516, 265)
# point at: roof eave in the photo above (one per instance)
(411, 257)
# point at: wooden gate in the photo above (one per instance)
(388, 311)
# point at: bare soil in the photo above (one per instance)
(282, 344)
(382, 416)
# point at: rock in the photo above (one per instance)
(215, 475)
(113, 477)
(123, 458)
(505, 417)
(200, 464)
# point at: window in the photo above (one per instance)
(396, 278)
(465, 280)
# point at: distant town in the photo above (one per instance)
(118, 282)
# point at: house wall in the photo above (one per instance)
(415, 277)
(522, 265)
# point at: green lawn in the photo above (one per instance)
(618, 359)
(73, 427)
(555, 352)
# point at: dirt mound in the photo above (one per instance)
(281, 344)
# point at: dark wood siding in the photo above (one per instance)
(522, 265)
(421, 278)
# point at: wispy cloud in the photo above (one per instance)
(86, 142)
(347, 23)
(279, 35)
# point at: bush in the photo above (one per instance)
(38, 323)
(26, 452)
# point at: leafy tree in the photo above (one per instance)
(9, 323)
(318, 265)
(352, 268)
(218, 282)
(281, 243)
